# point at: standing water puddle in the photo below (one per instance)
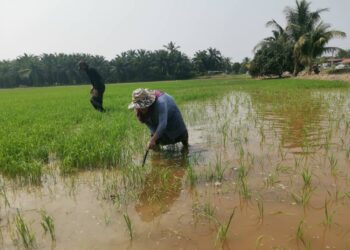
(277, 162)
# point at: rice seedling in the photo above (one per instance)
(328, 216)
(3, 194)
(258, 241)
(307, 175)
(224, 131)
(347, 194)
(347, 153)
(191, 175)
(107, 219)
(24, 232)
(241, 152)
(129, 226)
(333, 162)
(297, 162)
(219, 169)
(262, 135)
(260, 205)
(208, 210)
(251, 158)
(304, 197)
(223, 228)
(271, 180)
(281, 153)
(243, 183)
(48, 224)
(283, 169)
(300, 235)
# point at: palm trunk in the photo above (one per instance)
(310, 63)
(295, 72)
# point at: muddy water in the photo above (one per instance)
(181, 198)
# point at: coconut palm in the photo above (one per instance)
(278, 34)
(313, 43)
(301, 20)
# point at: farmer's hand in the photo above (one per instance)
(152, 144)
(94, 92)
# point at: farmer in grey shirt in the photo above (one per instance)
(159, 112)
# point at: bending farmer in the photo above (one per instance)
(160, 113)
(98, 86)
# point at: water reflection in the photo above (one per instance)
(297, 117)
(163, 183)
(296, 120)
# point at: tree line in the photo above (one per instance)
(168, 63)
(298, 45)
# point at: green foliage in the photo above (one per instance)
(168, 63)
(271, 59)
(236, 67)
(142, 65)
(342, 53)
(244, 66)
(211, 60)
(305, 36)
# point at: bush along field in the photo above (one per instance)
(266, 167)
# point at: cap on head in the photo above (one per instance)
(83, 65)
(142, 98)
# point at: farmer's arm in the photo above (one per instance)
(162, 122)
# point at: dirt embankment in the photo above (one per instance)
(338, 77)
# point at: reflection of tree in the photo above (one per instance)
(295, 114)
(162, 185)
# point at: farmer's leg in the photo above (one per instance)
(184, 139)
(165, 140)
(100, 101)
(96, 101)
(93, 102)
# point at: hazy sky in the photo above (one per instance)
(108, 27)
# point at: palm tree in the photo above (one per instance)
(313, 43)
(301, 20)
(171, 46)
(215, 59)
(279, 34)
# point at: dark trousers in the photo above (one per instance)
(97, 100)
(165, 140)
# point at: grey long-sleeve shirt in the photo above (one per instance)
(165, 118)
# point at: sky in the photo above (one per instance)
(109, 27)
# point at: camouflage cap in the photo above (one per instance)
(142, 98)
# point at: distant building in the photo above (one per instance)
(346, 61)
(336, 61)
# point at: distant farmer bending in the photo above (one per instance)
(98, 86)
(161, 115)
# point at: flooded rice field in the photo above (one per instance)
(264, 171)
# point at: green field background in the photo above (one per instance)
(42, 125)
